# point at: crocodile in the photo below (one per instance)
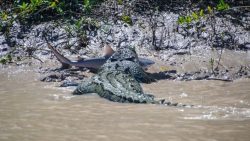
(118, 80)
(93, 63)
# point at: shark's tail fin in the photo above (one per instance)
(66, 63)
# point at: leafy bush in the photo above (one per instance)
(222, 6)
(127, 19)
(197, 15)
(6, 59)
(36, 11)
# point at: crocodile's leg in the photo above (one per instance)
(69, 84)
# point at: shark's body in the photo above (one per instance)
(94, 63)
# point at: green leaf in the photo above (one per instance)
(59, 10)
(33, 2)
(119, 2)
(86, 3)
(195, 16)
(79, 23)
(53, 4)
(210, 10)
(211, 61)
(181, 20)
(24, 6)
(6, 59)
(9, 57)
(188, 19)
(4, 16)
(127, 19)
(201, 13)
(3, 61)
(222, 6)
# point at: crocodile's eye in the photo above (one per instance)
(131, 59)
(126, 70)
(116, 66)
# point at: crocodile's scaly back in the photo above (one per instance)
(125, 53)
(128, 67)
(118, 80)
(126, 60)
(115, 86)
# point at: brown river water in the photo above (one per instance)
(31, 110)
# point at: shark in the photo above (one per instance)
(93, 63)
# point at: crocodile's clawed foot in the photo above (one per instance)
(69, 84)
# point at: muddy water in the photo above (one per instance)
(35, 111)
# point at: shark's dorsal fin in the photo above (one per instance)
(107, 50)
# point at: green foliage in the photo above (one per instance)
(209, 9)
(222, 6)
(119, 2)
(6, 59)
(127, 19)
(87, 5)
(211, 61)
(188, 19)
(35, 11)
(23, 6)
(201, 13)
(25, 9)
(36, 2)
(181, 20)
(196, 16)
(4, 16)
(81, 23)
(53, 4)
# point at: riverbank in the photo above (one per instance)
(210, 46)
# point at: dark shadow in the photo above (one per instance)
(164, 75)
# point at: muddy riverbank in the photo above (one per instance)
(218, 50)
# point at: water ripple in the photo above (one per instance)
(221, 113)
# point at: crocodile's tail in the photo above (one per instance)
(168, 103)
